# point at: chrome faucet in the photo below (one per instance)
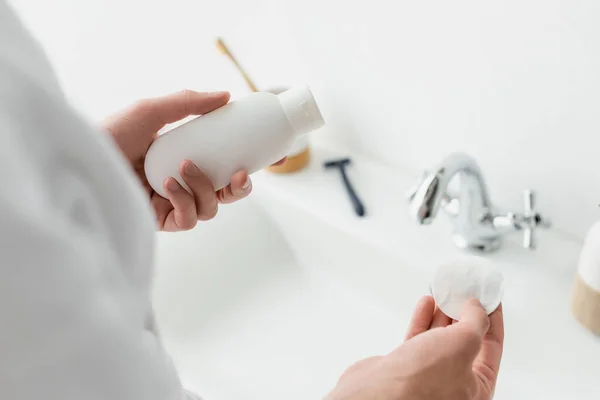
(477, 225)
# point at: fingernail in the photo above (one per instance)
(191, 169)
(246, 184)
(173, 185)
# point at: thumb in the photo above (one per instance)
(178, 105)
(474, 317)
(154, 113)
(472, 327)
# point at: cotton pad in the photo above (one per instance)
(457, 281)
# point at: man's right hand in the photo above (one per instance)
(440, 359)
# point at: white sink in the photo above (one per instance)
(245, 319)
(274, 299)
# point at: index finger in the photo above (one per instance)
(421, 318)
(496, 331)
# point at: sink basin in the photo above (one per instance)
(244, 317)
(281, 292)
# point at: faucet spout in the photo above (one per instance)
(476, 225)
(431, 193)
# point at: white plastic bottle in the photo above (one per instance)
(250, 134)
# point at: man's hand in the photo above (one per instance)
(440, 359)
(135, 128)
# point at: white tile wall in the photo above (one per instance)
(515, 83)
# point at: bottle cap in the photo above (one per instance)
(301, 109)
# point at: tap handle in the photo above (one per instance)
(529, 238)
(529, 202)
(531, 220)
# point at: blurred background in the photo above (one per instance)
(514, 83)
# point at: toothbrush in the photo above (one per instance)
(225, 50)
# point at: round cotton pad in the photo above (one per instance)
(456, 282)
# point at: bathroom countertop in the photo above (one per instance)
(547, 353)
(387, 223)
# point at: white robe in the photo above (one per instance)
(76, 247)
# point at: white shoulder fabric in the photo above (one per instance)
(76, 248)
